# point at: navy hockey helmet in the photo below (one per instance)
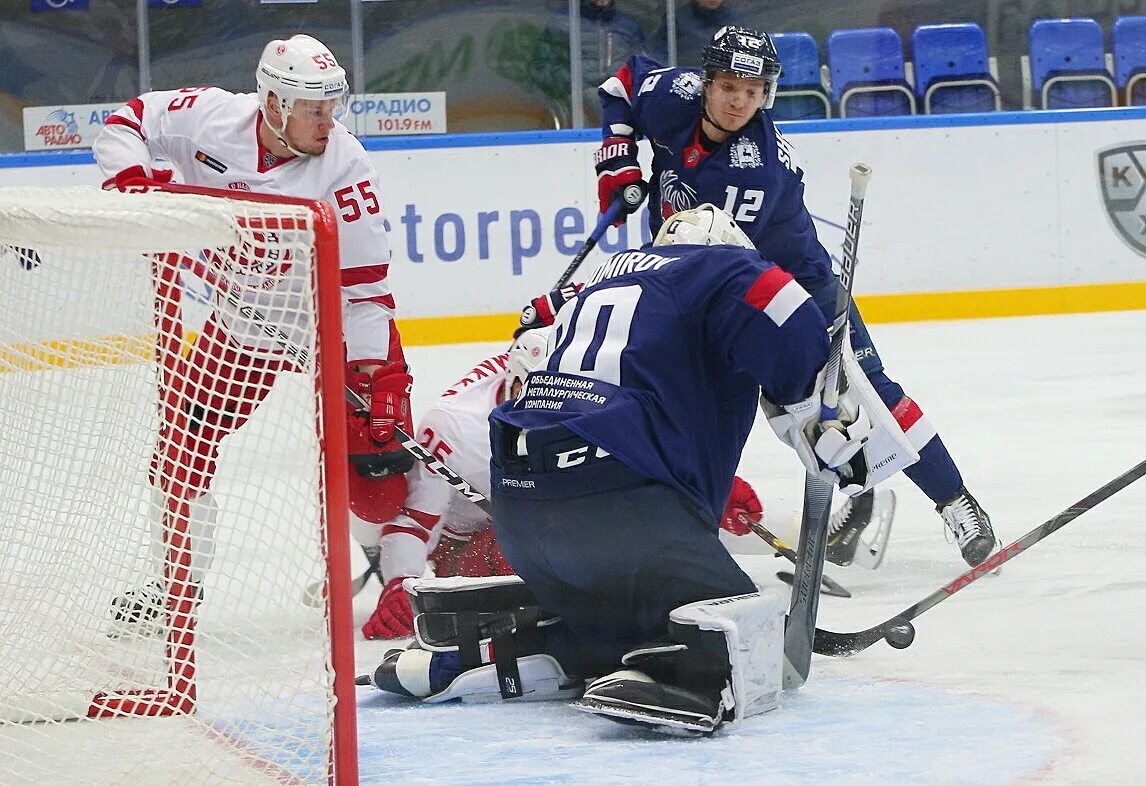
(743, 52)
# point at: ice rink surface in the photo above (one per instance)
(1033, 676)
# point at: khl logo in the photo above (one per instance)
(1122, 176)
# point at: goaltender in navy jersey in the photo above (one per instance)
(659, 363)
(754, 175)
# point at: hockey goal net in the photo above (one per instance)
(172, 476)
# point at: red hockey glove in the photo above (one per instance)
(137, 177)
(373, 451)
(617, 167)
(742, 509)
(542, 310)
(393, 619)
(482, 557)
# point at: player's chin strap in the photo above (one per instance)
(280, 133)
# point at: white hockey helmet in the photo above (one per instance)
(301, 67)
(527, 354)
(705, 225)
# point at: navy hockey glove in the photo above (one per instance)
(617, 167)
(542, 311)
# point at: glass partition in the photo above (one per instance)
(503, 64)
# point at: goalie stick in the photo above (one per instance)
(800, 629)
(844, 644)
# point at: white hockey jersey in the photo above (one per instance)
(456, 431)
(210, 138)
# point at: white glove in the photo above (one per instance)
(829, 449)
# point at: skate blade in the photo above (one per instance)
(873, 540)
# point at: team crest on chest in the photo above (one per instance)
(745, 154)
(686, 85)
(675, 194)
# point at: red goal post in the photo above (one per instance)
(169, 419)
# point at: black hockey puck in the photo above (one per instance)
(900, 633)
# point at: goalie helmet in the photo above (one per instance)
(527, 354)
(746, 53)
(706, 225)
(301, 67)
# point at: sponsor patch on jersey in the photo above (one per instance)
(213, 163)
(744, 154)
(686, 85)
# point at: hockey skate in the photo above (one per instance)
(970, 525)
(142, 612)
(859, 530)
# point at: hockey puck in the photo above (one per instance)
(900, 633)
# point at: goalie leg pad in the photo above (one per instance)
(724, 664)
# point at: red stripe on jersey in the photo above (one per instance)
(906, 413)
(136, 107)
(386, 301)
(626, 78)
(118, 120)
(771, 281)
(367, 274)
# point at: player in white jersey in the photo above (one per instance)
(285, 139)
(440, 522)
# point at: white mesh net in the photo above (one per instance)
(161, 492)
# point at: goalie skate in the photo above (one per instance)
(860, 528)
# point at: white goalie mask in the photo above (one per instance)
(301, 67)
(528, 353)
(705, 225)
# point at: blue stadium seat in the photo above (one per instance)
(801, 94)
(952, 73)
(866, 67)
(1128, 44)
(1068, 64)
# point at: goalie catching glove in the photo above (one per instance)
(860, 447)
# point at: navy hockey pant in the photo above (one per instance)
(613, 564)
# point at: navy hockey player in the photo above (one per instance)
(713, 141)
(609, 475)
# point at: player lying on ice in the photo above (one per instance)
(438, 524)
(608, 477)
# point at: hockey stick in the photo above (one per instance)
(302, 357)
(899, 631)
(800, 630)
(312, 595)
(627, 201)
(829, 587)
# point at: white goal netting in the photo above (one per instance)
(164, 491)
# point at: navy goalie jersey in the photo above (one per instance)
(661, 359)
(754, 175)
